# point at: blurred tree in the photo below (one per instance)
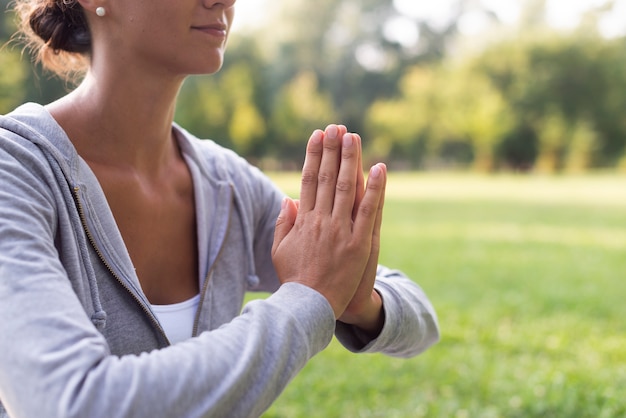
(12, 71)
(402, 128)
(472, 110)
(552, 131)
(300, 108)
(582, 147)
(550, 100)
(348, 46)
(579, 76)
(12, 77)
(455, 111)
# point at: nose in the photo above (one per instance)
(212, 3)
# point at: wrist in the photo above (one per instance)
(369, 316)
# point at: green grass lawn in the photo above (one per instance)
(527, 276)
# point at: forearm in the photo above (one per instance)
(237, 370)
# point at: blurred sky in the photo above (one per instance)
(562, 14)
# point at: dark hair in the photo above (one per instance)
(57, 33)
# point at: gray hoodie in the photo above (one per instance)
(77, 335)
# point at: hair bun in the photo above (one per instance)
(62, 26)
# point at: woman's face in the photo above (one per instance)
(180, 37)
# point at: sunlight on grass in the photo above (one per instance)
(598, 189)
(512, 232)
(576, 190)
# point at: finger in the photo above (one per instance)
(328, 170)
(368, 209)
(346, 179)
(310, 171)
(360, 180)
(372, 262)
(284, 222)
(379, 214)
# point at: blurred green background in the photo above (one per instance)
(503, 125)
(454, 84)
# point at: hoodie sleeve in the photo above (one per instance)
(54, 362)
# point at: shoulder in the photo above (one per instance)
(219, 163)
(31, 126)
(21, 138)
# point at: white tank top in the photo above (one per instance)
(177, 319)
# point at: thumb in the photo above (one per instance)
(284, 222)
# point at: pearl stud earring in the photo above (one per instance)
(100, 11)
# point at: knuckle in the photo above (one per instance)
(325, 178)
(347, 154)
(314, 151)
(316, 227)
(309, 177)
(374, 185)
(344, 186)
(368, 209)
(337, 226)
(331, 144)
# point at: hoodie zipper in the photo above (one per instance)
(81, 214)
(209, 275)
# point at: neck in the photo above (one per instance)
(125, 122)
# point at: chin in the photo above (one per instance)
(213, 66)
(207, 70)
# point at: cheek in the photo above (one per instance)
(153, 19)
(157, 35)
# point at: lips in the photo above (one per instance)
(215, 29)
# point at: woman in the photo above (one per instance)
(127, 244)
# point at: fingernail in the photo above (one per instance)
(347, 140)
(316, 138)
(283, 204)
(332, 131)
(375, 171)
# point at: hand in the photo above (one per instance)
(365, 310)
(323, 244)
